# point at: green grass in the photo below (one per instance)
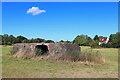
(110, 54)
(29, 68)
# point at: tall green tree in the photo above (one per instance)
(114, 41)
(49, 41)
(96, 38)
(11, 39)
(1, 39)
(19, 39)
(5, 39)
(39, 40)
(61, 41)
(81, 41)
(68, 41)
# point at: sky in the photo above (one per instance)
(59, 20)
(59, 0)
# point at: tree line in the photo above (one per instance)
(84, 40)
(81, 40)
(10, 40)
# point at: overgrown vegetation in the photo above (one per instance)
(87, 56)
(69, 56)
(40, 52)
(24, 68)
(92, 57)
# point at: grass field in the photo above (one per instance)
(28, 68)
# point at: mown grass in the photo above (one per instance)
(29, 68)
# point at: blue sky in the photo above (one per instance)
(59, 20)
(60, 0)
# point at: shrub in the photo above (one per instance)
(86, 56)
(109, 45)
(94, 44)
(73, 55)
(103, 45)
(38, 51)
(91, 56)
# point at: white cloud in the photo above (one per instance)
(35, 11)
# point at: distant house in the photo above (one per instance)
(103, 40)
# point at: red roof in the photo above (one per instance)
(104, 39)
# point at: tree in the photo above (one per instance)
(81, 41)
(83, 36)
(0, 39)
(19, 39)
(96, 38)
(109, 45)
(68, 41)
(114, 40)
(5, 39)
(11, 39)
(39, 40)
(49, 41)
(111, 37)
(76, 40)
(94, 44)
(61, 41)
(25, 41)
(118, 39)
(114, 43)
(31, 41)
(103, 45)
(9, 43)
(89, 39)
